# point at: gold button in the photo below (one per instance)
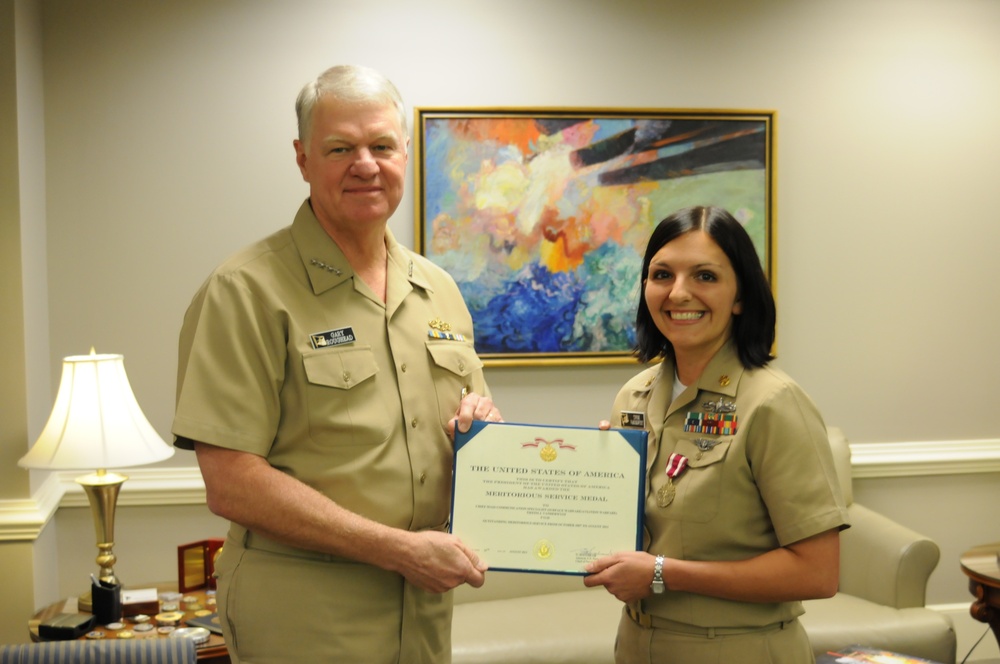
(347, 376)
(461, 365)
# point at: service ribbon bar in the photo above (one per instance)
(725, 425)
(440, 334)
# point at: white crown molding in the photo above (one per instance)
(23, 519)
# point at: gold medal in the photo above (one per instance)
(666, 494)
(675, 466)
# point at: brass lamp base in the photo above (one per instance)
(102, 490)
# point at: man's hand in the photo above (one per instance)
(438, 562)
(473, 407)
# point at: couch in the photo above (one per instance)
(137, 651)
(884, 568)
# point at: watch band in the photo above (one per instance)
(658, 586)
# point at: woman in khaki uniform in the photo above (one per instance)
(321, 374)
(743, 510)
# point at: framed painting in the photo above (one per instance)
(542, 216)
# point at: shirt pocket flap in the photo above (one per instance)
(342, 369)
(456, 357)
(698, 456)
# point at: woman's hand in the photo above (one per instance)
(626, 575)
(807, 569)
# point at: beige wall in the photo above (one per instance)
(167, 145)
(169, 128)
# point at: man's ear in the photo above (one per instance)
(300, 157)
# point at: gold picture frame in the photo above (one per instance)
(542, 215)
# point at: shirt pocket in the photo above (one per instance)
(454, 366)
(343, 400)
(700, 484)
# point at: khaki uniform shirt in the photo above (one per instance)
(284, 354)
(768, 483)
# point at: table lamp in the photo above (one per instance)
(97, 423)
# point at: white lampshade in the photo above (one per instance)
(96, 421)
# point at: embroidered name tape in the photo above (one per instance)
(343, 335)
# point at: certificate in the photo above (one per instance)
(548, 499)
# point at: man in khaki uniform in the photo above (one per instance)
(321, 374)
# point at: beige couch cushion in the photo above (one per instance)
(845, 620)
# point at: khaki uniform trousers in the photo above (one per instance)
(279, 609)
(662, 641)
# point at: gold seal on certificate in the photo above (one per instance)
(548, 499)
(543, 549)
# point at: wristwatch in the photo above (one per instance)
(658, 586)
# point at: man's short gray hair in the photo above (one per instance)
(350, 83)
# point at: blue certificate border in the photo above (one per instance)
(636, 438)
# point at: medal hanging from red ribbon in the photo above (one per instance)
(675, 466)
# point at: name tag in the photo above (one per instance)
(343, 335)
(633, 418)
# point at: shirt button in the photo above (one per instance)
(403, 368)
(413, 423)
(347, 376)
(423, 477)
(461, 366)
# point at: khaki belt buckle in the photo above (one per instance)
(640, 617)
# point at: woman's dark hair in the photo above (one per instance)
(753, 328)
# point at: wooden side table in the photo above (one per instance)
(212, 652)
(982, 565)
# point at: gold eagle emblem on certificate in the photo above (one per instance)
(543, 549)
(549, 449)
(548, 452)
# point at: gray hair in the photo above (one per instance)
(350, 83)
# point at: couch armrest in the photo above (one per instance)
(885, 562)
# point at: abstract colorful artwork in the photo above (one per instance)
(542, 217)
